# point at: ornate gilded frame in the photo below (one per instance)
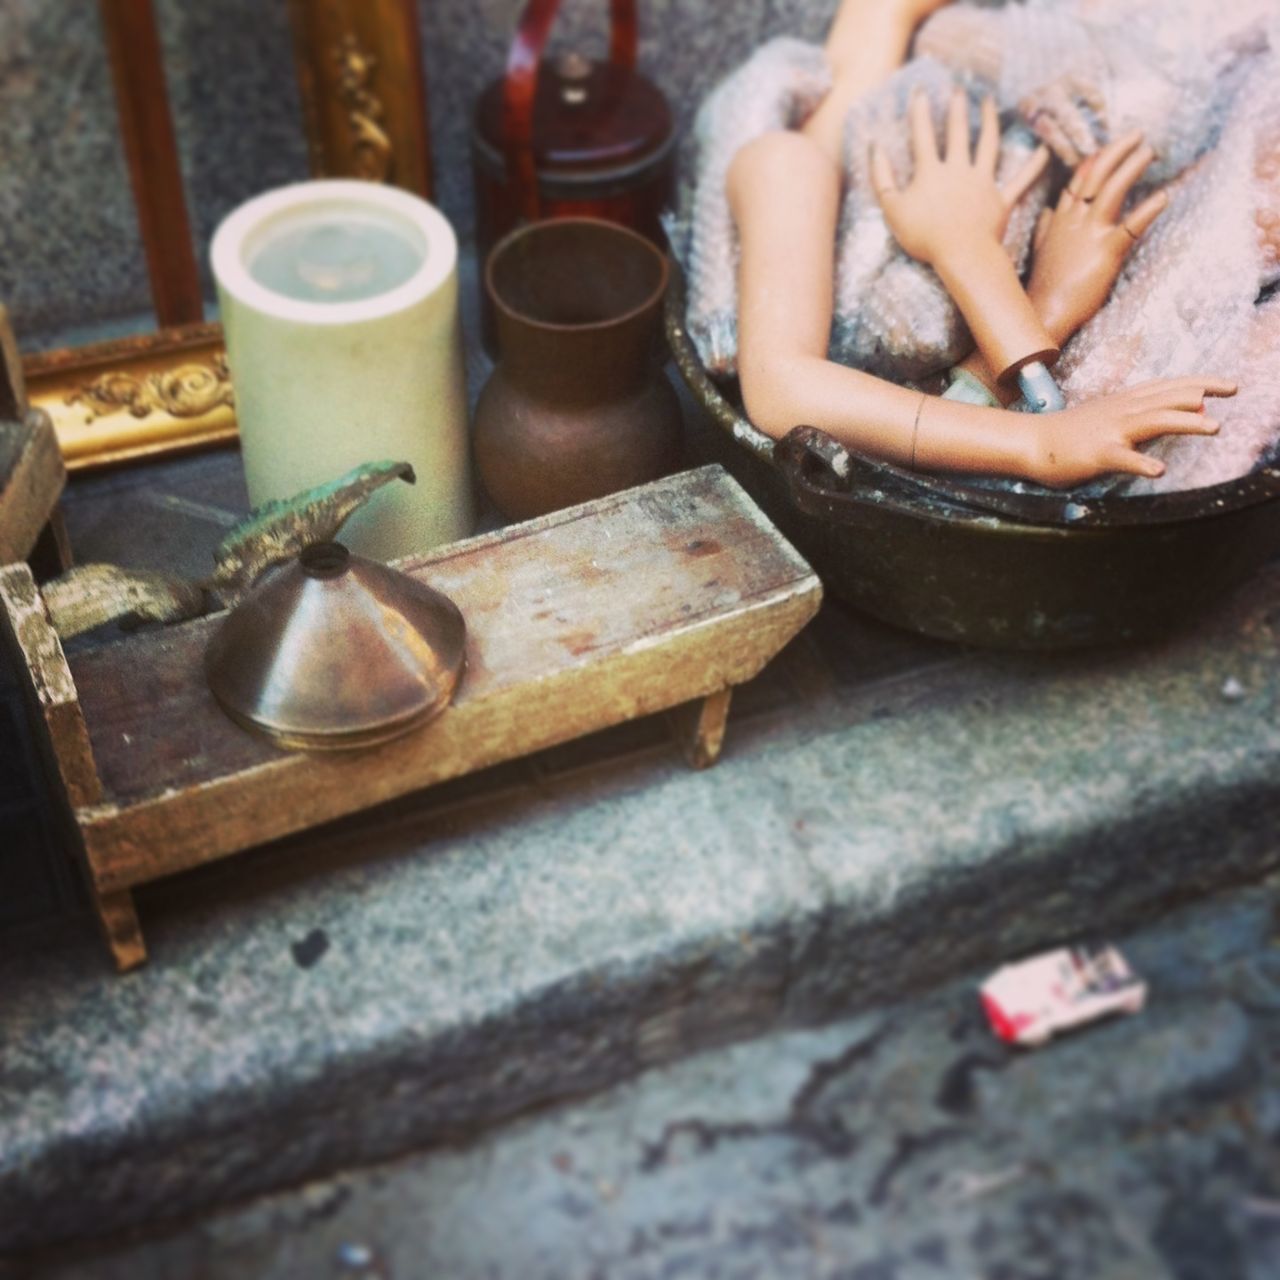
(365, 114)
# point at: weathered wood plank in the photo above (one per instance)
(51, 690)
(541, 599)
(183, 828)
(580, 620)
(32, 475)
(151, 149)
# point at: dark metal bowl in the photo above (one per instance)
(1027, 570)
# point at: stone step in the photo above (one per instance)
(888, 812)
(905, 1143)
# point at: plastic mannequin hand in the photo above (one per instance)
(952, 215)
(1081, 245)
(953, 203)
(1059, 115)
(1102, 435)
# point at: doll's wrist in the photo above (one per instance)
(1055, 314)
(1005, 325)
(971, 260)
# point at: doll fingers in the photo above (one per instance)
(1132, 462)
(958, 126)
(1136, 224)
(882, 176)
(1112, 194)
(1102, 165)
(1175, 422)
(1163, 389)
(987, 154)
(1046, 127)
(1189, 397)
(1025, 178)
(1042, 229)
(924, 142)
(1064, 102)
(1089, 94)
(1187, 394)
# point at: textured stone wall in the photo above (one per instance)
(70, 257)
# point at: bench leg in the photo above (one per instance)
(121, 929)
(705, 736)
(52, 553)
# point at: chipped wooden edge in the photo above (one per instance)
(36, 483)
(50, 684)
(50, 690)
(122, 843)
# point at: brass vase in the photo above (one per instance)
(579, 405)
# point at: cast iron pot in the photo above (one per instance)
(1033, 570)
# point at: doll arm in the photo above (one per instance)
(952, 216)
(1081, 245)
(868, 41)
(784, 193)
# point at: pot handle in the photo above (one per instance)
(521, 87)
(818, 470)
(825, 479)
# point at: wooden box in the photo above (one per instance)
(632, 604)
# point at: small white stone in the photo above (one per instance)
(356, 1256)
(1232, 689)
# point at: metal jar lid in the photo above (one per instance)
(332, 651)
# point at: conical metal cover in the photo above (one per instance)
(332, 651)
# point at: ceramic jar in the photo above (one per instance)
(579, 405)
(339, 300)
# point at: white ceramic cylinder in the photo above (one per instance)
(339, 301)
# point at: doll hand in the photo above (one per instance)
(1089, 440)
(954, 203)
(1057, 115)
(1081, 246)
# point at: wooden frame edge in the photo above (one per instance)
(142, 396)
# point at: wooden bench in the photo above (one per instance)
(633, 604)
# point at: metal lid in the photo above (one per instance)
(333, 651)
(590, 119)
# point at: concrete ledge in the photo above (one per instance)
(468, 955)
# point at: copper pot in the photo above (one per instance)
(578, 406)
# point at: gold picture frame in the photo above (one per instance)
(139, 397)
(365, 116)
